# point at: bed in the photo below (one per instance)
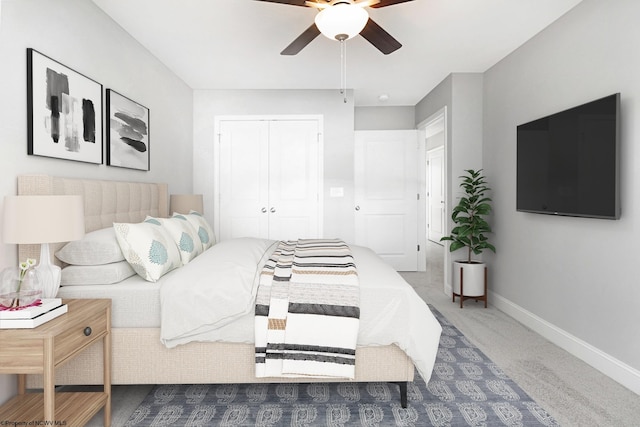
(398, 333)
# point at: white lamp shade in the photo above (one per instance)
(183, 203)
(340, 20)
(42, 219)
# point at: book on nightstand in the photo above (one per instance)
(29, 312)
(32, 317)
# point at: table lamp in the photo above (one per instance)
(43, 220)
(183, 203)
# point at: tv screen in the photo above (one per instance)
(567, 163)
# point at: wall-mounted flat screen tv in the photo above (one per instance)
(568, 162)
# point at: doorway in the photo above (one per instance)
(434, 130)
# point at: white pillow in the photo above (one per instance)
(148, 248)
(105, 274)
(95, 248)
(183, 234)
(201, 225)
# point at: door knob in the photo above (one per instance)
(264, 210)
(272, 210)
(357, 208)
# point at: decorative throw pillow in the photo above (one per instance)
(183, 234)
(106, 274)
(201, 225)
(95, 248)
(148, 248)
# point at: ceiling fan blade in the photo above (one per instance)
(317, 4)
(380, 38)
(289, 2)
(366, 3)
(384, 3)
(302, 41)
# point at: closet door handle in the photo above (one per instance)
(272, 210)
(264, 210)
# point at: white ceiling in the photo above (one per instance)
(236, 44)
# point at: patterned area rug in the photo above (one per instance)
(466, 389)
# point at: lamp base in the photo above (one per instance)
(49, 273)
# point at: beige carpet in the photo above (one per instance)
(573, 392)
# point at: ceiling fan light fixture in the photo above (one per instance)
(341, 21)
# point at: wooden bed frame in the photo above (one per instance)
(138, 357)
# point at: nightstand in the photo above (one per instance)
(41, 350)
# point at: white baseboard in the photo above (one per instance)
(608, 365)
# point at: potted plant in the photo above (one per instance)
(470, 232)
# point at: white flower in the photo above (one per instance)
(24, 266)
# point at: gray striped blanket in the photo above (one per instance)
(307, 311)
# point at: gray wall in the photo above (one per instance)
(79, 35)
(461, 95)
(385, 118)
(577, 274)
(338, 141)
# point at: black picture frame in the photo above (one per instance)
(64, 111)
(128, 132)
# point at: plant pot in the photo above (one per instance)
(473, 278)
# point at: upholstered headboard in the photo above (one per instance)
(105, 202)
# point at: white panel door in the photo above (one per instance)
(293, 179)
(435, 200)
(244, 179)
(386, 195)
(269, 179)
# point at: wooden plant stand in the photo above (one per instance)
(465, 297)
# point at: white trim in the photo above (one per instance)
(422, 205)
(435, 117)
(268, 117)
(605, 363)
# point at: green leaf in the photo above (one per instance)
(455, 246)
(468, 215)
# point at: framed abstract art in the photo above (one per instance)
(64, 111)
(127, 133)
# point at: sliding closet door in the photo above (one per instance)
(269, 179)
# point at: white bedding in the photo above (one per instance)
(213, 290)
(222, 282)
(135, 302)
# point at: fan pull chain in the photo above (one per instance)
(343, 69)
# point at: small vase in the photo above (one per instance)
(16, 292)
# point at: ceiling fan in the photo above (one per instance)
(341, 20)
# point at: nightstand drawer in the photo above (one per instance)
(79, 336)
(41, 350)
